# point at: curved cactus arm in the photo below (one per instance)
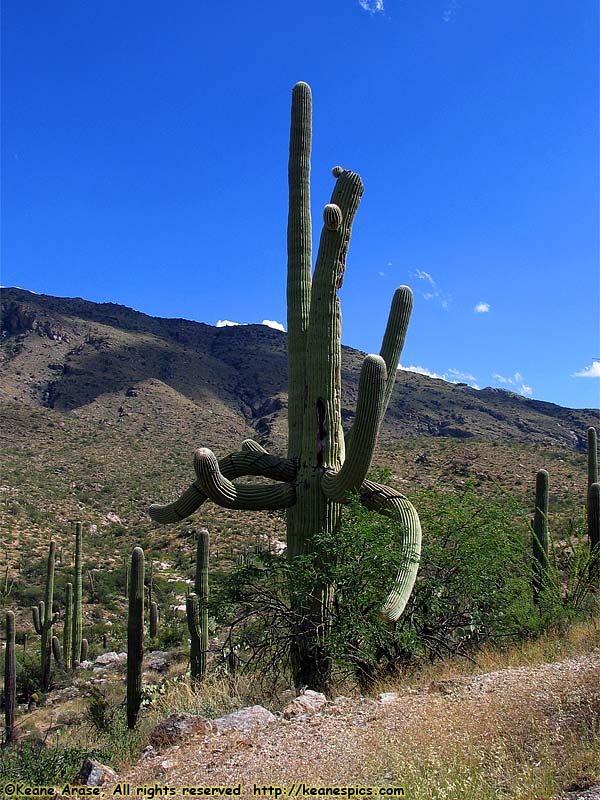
(254, 462)
(389, 502)
(299, 248)
(183, 507)
(371, 390)
(252, 446)
(252, 459)
(228, 495)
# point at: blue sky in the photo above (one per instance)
(145, 163)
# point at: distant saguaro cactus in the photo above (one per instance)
(68, 627)
(44, 618)
(323, 467)
(201, 587)
(77, 621)
(153, 622)
(540, 541)
(135, 636)
(10, 680)
(192, 612)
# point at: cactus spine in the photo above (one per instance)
(77, 621)
(323, 467)
(10, 680)
(44, 618)
(68, 627)
(540, 542)
(135, 636)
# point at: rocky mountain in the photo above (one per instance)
(107, 363)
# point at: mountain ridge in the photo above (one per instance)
(74, 355)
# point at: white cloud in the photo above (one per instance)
(482, 308)
(421, 371)
(271, 323)
(381, 274)
(389, 264)
(451, 375)
(450, 10)
(433, 293)
(462, 376)
(592, 371)
(372, 6)
(516, 381)
(424, 276)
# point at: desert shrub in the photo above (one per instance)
(473, 588)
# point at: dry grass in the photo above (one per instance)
(508, 746)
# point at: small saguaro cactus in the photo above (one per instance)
(153, 622)
(44, 618)
(323, 467)
(135, 636)
(77, 621)
(201, 587)
(192, 612)
(10, 680)
(68, 627)
(540, 541)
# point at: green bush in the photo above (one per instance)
(473, 588)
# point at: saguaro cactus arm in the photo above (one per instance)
(222, 491)
(252, 459)
(371, 389)
(391, 503)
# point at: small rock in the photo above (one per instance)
(309, 702)
(178, 726)
(157, 660)
(387, 697)
(148, 752)
(246, 719)
(93, 773)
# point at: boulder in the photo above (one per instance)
(246, 719)
(179, 726)
(93, 773)
(309, 702)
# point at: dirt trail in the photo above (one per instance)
(366, 741)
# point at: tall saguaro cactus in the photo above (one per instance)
(323, 467)
(44, 618)
(135, 636)
(10, 679)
